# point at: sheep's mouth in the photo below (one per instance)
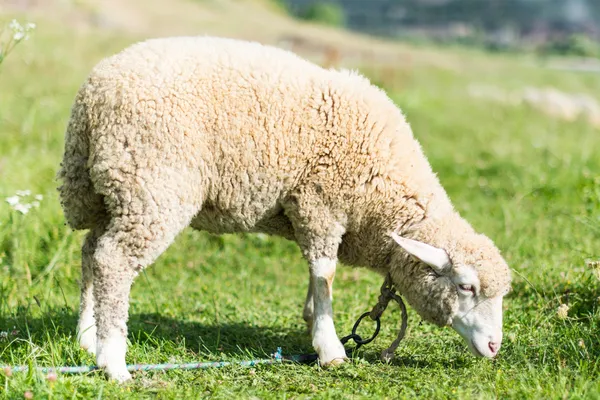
(475, 350)
(470, 341)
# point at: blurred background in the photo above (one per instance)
(546, 26)
(503, 95)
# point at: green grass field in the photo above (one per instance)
(529, 181)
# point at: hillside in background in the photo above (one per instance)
(502, 23)
(265, 21)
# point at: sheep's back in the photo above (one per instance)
(242, 113)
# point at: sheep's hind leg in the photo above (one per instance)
(131, 242)
(113, 276)
(86, 327)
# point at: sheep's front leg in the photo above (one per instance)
(325, 339)
(319, 233)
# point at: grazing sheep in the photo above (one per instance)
(231, 136)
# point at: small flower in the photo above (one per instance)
(595, 267)
(3, 335)
(581, 343)
(51, 377)
(13, 200)
(14, 25)
(18, 36)
(563, 311)
(7, 371)
(19, 31)
(28, 395)
(22, 208)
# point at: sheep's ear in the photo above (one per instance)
(434, 257)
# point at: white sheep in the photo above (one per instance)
(231, 136)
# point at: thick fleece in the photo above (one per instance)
(231, 136)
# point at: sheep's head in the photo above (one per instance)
(459, 283)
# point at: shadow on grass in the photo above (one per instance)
(55, 327)
(22, 330)
(152, 330)
(231, 339)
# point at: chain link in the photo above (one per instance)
(356, 337)
(387, 293)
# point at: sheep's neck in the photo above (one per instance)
(367, 242)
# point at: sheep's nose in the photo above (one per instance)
(494, 347)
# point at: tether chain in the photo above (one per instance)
(387, 293)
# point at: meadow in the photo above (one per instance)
(526, 179)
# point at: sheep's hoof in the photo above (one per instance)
(91, 349)
(333, 363)
(119, 375)
(332, 355)
(87, 340)
(115, 371)
(111, 358)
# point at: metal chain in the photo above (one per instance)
(387, 293)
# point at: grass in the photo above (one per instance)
(529, 181)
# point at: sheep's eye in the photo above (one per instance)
(467, 288)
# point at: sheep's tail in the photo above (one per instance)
(82, 206)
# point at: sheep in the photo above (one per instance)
(230, 136)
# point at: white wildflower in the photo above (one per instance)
(15, 25)
(594, 266)
(18, 204)
(3, 335)
(18, 36)
(19, 31)
(13, 200)
(22, 208)
(563, 311)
